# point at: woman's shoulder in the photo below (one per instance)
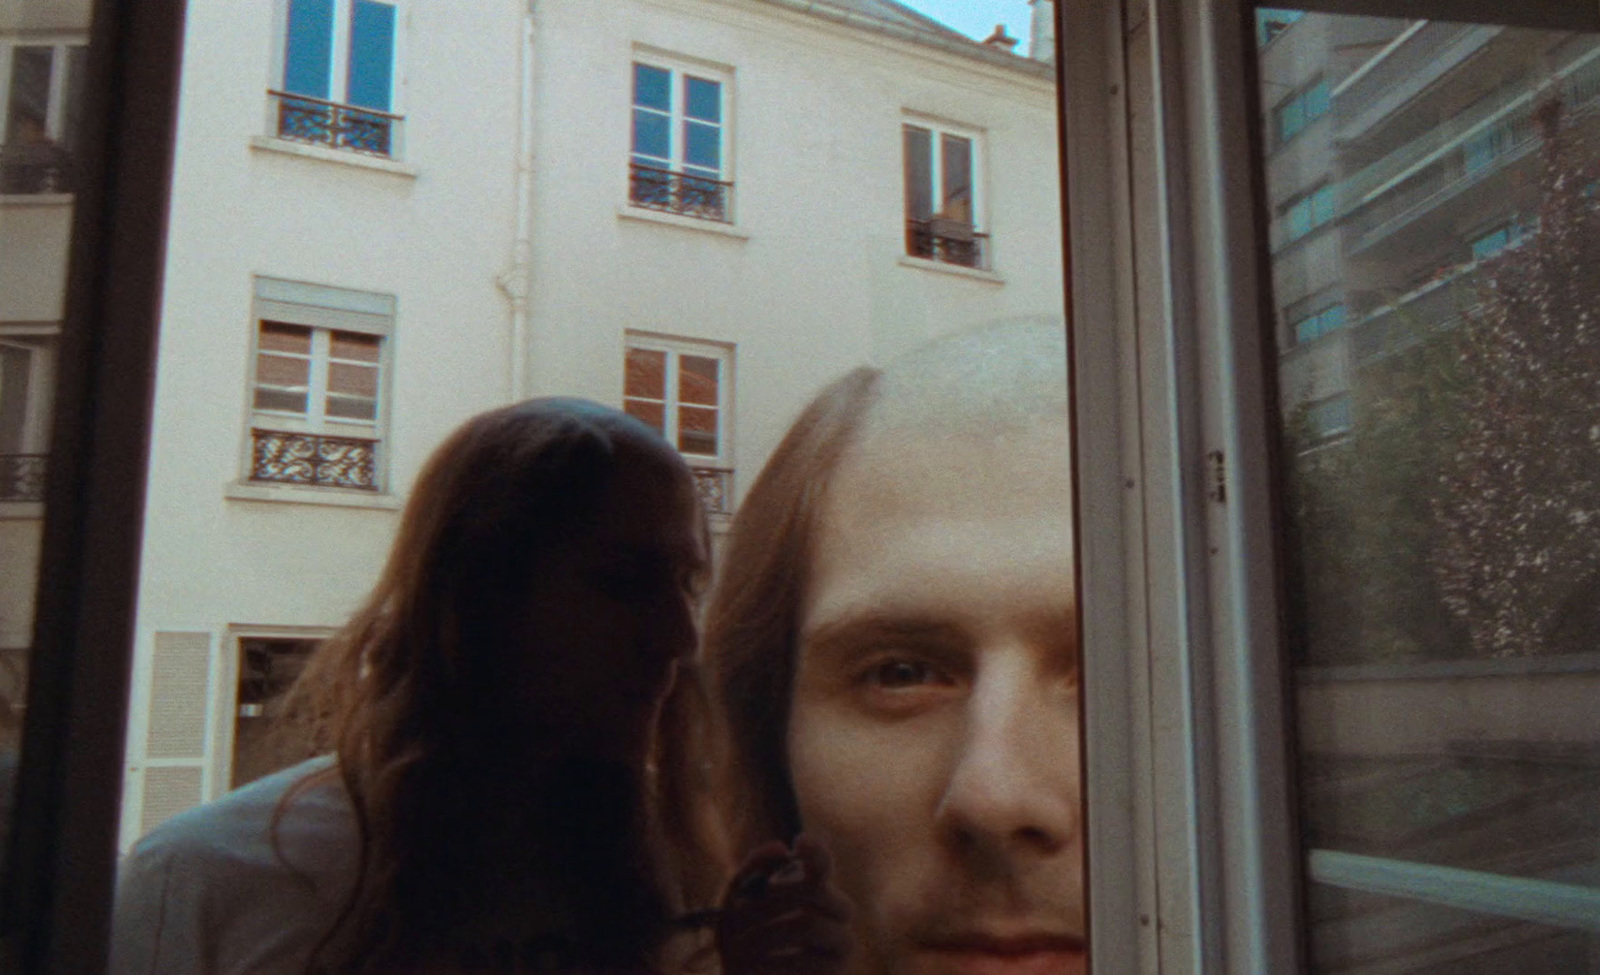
(259, 823)
(243, 884)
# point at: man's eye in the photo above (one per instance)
(904, 673)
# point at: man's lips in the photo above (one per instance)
(1028, 954)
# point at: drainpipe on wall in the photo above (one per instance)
(517, 281)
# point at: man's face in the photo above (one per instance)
(934, 733)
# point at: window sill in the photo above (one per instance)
(21, 510)
(35, 199)
(307, 151)
(958, 270)
(305, 494)
(627, 212)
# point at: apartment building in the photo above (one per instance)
(388, 216)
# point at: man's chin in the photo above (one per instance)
(1063, 960)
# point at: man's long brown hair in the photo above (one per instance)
(402, 694)
(753, 618)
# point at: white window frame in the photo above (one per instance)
(339, 80)
(339, 77)
(324, 310)
(56, 108)
(980, 170)
(676, 348)
(41, 343)
(678, 66)
(1194, 866)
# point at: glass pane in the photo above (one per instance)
(646, 374)
(278, 337)
(29, 99)
(351, 408)
(262, 531)
(16, 367)
(652, 135)
(697, 430)
(652, 413)
(957, 159)
(357, 380)
(308, 48)
(267, 668)
(652, 87)
(1442, 478)
(282, 370)
(702, 99)
(355, 346)
(702, 146)
(279, 400)
(697, 379)
(371, 55)
(918, 173)
(41, 70)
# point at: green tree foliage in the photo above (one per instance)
(1518, 501)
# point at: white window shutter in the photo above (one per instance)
(170, 765)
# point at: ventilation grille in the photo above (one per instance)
(179, 696)
(168, 790)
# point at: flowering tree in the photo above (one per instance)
(1517, 557)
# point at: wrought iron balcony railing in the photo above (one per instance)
(682, 193)
(35, 167)
(306, 458)
(949, 241)
(22, 477)
(716, 489)
(302, 118)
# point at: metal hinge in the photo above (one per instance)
(1219, 476)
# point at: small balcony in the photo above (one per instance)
(301, 118)
(716, 489)
(28, 168)
(22, 477)
(682, 193)
(278, 457)
(947, 241)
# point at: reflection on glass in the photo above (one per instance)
(1436, 253)
(41, 67)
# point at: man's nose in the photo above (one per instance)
(1014, 786)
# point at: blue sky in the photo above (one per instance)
(976, 18)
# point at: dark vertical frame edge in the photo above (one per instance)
(55, 912)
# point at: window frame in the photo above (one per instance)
(56, 108)
(227, 704)
(1195, 866)
(338, 79)
(679, 68)
(339, 54)
(675, 348)
(938, 128)
(323, 309)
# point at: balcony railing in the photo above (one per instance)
(949, 241)
(35, 167)
(681, 193)
(305, 458)
(22, 477)
(716, 489)
(301, 118)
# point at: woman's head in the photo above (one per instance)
(536, 603)
(548, 552)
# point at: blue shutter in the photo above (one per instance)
(308, 52)
(371, 82)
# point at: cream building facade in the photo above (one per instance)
(390, 216)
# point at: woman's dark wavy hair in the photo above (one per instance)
(753, 618)
(399, 692)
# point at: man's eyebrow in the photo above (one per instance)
(872, 627)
